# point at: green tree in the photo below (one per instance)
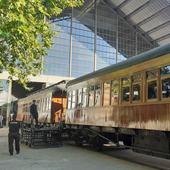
(25, 34)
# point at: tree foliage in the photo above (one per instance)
(25, 34)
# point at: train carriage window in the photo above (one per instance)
(49, 104)
(152, 76)
(152, 90)
(136, 87)
(40, 106)
(47, 107)
(85, 97)
(91, 96)
(69, 100)
(43, 109)
(79, 103)
(115, 92)
(46, 104)
(126, 89)
(73, 105)
(106, 94)
(166, 88)
(165, 81)
(165, 70)
(24, 108)
(97, 95)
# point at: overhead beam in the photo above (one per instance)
(158, 27)
(87, 8)
(152, 16)
(163, 37)
(137, 10)
(122, 4)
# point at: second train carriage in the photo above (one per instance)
(51, 104)
(128, 101)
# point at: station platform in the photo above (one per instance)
(71, 157)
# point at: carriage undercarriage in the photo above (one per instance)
(155, 143)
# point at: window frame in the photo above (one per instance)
(151, 80)
(75, 99)
(118, 100)
(163, 77)
(69, 95)
(89, 90)
(103, 103)
(121, 89)
(85, 95)
(98, 84)
(79, 103)
(141, 88)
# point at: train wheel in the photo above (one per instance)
(127, 141)
(78, 140)
(98, 143)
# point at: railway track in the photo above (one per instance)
(130, 156)
(142, 159)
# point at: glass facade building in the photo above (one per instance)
(87, 39)
(90, 38)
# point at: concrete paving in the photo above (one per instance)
(67, 157)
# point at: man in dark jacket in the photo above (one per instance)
(14, 135)
(34, 112)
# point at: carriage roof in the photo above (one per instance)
(146, 56)
(58, 86)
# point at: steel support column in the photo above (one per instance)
(71, 47)
(117, 37)
(136, 43)
(95, 34)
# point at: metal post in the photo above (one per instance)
(8, 101)
(136, 42)
(71, 48)
(117, 38)
(95, 35)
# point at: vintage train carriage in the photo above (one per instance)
(128, 101)
(51, 103)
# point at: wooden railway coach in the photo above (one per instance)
(128, 101)
(51, 103)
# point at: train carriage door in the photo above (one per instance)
(57, 107)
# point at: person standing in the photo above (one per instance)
(34, 112)
(14, 135)
(1, 121)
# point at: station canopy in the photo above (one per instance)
(152, 17)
